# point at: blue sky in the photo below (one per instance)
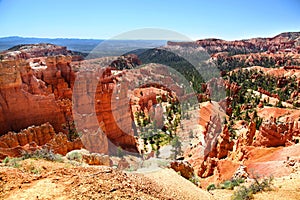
(226, 19)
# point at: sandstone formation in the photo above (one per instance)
(102, 111)
(217, 144)
(123, 164)
(40, 89)
(129, 61)
(218, 149)
(96, 159)
(26, 51)
(246, 138)
(281, 42)
(273, 134)
(25, 100)
(35, 137)
(281, 50)
(98, 98)
(45, 88)
(85, 156)
(184, 168)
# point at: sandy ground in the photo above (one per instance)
(176, 186)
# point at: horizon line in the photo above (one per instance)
(193, 39)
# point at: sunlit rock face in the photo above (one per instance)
(36, 89)
(25, 99)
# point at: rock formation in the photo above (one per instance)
(281, 42)
(218, 149)
(246, 138)
(184, 168)
(85, 156)
(39, 90)
(25, 100)
(34, 137)
(96, 159)
(26, 51)
(273, 134)
(102, 111)
(280, 50)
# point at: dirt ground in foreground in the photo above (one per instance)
(40, 179)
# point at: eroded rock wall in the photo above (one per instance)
(24, 99)
(34, 137)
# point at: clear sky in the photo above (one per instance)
(103, 19)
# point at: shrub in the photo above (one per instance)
(194, 179)
(120, 152)
(242, 194)
(13, 162)
(230, 184)
(211, 187)
(33, 169)
(71, 130)
(43, 154)
(74, 156)
(6, 160)
(245, 193)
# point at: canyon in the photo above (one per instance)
(52, 98)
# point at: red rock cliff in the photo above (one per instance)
(25, 99)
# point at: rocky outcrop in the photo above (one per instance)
(40, 90)
(274, 134)
(34, 137)
(184, 168)
(219, 150)
(246, 138)
(123, 164)
(281, 42)
(85, 156)
(26, 51)
(217, 142)
(205, 142)
(38, 134)
(280, 50)
(61, 145)
(114, 112)
(207, 167)
(59, 76)
(241, 172)
(104, 99)
(28, 96)
(129, 61)
(225, 144)
(35, 93)
(96, 159)
(102, 111)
